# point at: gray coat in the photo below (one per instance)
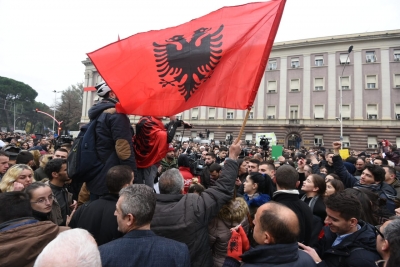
(185, 218)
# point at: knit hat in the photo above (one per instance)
(171, 148)
(24, 157)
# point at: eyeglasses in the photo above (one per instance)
(380, 263)
(377, 231)
(43, 200)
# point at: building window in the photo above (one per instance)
(295, 63)
(295, 85)
(271, 87)
(318, 84)
(345, 83)
(271, 113)
(272, 65)
(193, 134)
(211, 113)
(319, 60)
(396, 54)
(195, 113)
(396, 81)
(251, 115)
(344, 58)
(346, 112)
(372, 111)
(294, 112)
(319, 112)
(229, 114)
(372, 143)
(371, 82)
(318, 140)
(249, 137)
(346, 141)
(370, 56)
(397, 111)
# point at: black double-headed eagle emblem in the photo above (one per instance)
(187, 65)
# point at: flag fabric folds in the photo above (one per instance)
(216, 60)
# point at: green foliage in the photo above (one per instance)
(14, 90)
(69, 110)
(19, 97)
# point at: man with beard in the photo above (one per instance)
(56, 170)
(169, 161)
(205, 176)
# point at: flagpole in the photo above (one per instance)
(244, 124)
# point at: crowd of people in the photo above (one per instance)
(156, 201)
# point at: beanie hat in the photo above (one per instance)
(171, 148)
(24, 157)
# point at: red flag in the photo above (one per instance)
(217, 60)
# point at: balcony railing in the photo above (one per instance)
(294, 121)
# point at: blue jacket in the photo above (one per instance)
(113, 142)
(144, 248)
(355, 250)
(282, 255)
(259, 200)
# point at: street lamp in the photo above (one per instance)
(55, 103)
(340, 119)
(15, 119)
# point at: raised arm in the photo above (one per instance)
(347, 179)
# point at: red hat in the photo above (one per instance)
(171, 148)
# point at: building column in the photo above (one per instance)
(358, 87)
(386, 94)
(258, 110)
(306, 87)
(333, 101)
(283, 91)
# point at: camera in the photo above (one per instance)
(264, 143)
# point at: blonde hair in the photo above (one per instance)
(44, 159)
(7, 182)
(36, 157)
(234, 211)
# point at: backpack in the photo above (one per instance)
(83, 163)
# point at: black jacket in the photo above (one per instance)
(355, 250)
(98, 218)
(185, 218)
(205, 177)
(113, 142)
(282, 255)
(302, 211)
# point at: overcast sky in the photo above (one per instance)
(42, 43)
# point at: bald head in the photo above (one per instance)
(275, 224)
